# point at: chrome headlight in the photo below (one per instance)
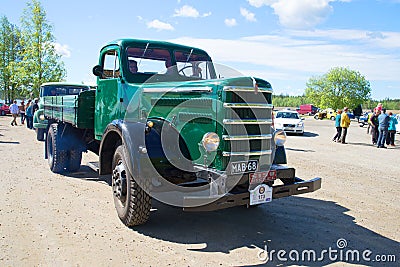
(41, 117)
(210, 141)
(300, 124)
(279, 137)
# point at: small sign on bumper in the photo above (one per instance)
(261, 194)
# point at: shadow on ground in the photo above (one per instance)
(293, 223)
(287, 224)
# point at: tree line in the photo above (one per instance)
(295, 101)
(27, 54)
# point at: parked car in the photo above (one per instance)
(289, 121)
(326, 113)
(363, 120)
(4, 109)
(398, 123)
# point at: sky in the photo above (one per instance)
(285, 42)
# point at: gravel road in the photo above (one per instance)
(48, 219)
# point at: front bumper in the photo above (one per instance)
(231, 200)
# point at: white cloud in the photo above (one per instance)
(62, 50)
(247, 14)
(299, 14)
(159, 25)
(230, 22)
(189, 12)
(260, 3)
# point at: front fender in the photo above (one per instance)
(131, 135)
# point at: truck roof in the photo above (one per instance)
(64, 83)
(168, 45)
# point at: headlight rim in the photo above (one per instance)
(210, 141)
(280, 137)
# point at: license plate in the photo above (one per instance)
(261, 177)
(244, 166)
(261, 194)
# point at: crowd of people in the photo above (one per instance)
(381, 126)
(24, 111)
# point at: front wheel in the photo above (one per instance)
(3, 113)
(131, 201)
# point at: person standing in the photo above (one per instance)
(369, 120)
(374, 125)
(29, 115)
(344, 123)
(338, 118)
(14, 112)
(391, 130)
(21, 108)
(383, 129)
(35, 105)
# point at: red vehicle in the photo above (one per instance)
(4, 109)
(307, 109)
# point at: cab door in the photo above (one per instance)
(107, 106)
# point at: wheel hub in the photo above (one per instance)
(119, 182)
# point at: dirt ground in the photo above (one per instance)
(48, 219)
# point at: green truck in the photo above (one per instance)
(169, 124)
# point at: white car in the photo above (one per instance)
(289, 121)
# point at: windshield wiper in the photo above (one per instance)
(144, 52)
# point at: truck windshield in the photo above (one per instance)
(173, 66)
(57, 90)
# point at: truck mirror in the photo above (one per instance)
(98, 70)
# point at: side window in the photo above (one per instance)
(111, 65)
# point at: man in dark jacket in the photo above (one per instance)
(373, 121)
(384, 120)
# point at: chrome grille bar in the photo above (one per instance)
(239, 121)
(246, 137)
(246, 89)
(247, 154)
(248, 105)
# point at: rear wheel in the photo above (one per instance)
(332, 118)
(74, 160)
(57, 156)
(40, 134)
(131, 201)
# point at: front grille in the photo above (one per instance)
(289, 125)
(247, 124)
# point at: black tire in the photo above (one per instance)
(131, 201)
(3, 113)
(333, 118)
(74, 160)
(57, 156)
(40, 134)
(316, 116)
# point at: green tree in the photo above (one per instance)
(41, 63)
(338, 88)
(10, 57)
